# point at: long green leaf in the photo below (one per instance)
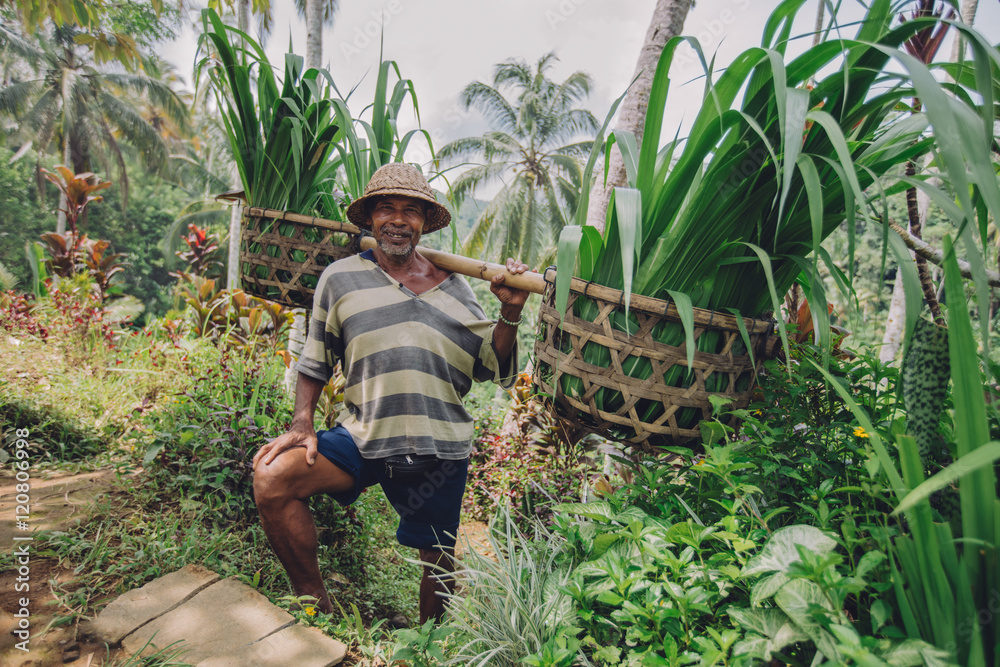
(888, 466)
(628, 204)
(986, 455)
(686, 312)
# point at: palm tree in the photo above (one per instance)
(667, 22)
(527, 151)
(90, 115)
(317, 13)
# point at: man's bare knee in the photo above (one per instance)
(272, 483)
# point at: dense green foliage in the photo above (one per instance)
(153, 206)
(23, 217)
(92, 117)
(177, 408)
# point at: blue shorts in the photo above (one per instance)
(429, 507)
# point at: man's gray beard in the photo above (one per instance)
(395, 250)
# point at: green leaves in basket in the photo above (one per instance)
(280, 138)
(628, 204)
(682, 302)
(569, 240)
(364, 146)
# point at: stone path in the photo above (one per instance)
(216, 622)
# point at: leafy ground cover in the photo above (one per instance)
(176, 416)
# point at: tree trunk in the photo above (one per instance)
(67, 144)
(296, 341)
(667, 22)
(235, 216)
(314, 34)
(892, 338)
(968, 12)
(819, 22)
(243, 15)
(314, 59)
(233, 258)
(895, 322)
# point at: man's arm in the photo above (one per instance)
(511, 304)
(505, 335)
(302, 433)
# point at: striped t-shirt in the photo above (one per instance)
(408, 359)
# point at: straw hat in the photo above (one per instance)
(399, 178)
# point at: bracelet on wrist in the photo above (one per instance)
(503, 319)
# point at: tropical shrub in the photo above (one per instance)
(202, 253)
(208, 435)
(938, 565)
(774, 543)
(513, 603)
(527, 471)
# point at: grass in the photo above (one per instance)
(78, 398)
(137, 536)
(512, 603)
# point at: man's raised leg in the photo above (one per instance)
(282, 490)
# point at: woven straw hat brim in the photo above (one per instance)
(438, 216)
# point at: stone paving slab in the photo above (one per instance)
(220, 620)
(295, 645)
(137, 607)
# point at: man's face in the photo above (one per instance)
(397, 222)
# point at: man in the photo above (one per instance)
(411, 338)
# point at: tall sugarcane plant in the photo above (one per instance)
(362, 147)
(281, 136)
(299, 147)
(730, 217)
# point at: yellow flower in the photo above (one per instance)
(310, 611)
(860, 432)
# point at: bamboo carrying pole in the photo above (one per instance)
(529, 280)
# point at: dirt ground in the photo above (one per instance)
(58, 501)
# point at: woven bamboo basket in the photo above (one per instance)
(650, 411)
(282, 254)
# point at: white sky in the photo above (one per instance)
(443, 45)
